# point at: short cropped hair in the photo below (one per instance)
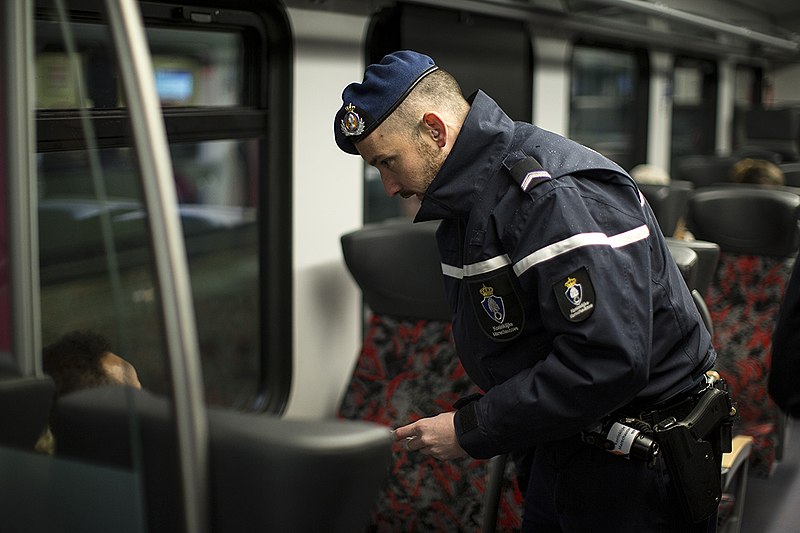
(74, 361)
(438, 90)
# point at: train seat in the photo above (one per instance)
(791, 173)
(669, 202)
(25, 404)
(408, 369)
(704, 170)
(266, 473)
(687, 261)
(772, 134)
(756, 229)
(707, 259)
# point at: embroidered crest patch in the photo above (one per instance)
(575, 295)
(497, 307)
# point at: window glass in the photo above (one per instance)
(94, 242)
(191, 68)
(94, 250)
(694, 107)
(747, 94)
(604, 103)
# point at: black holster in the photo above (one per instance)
(692, 449)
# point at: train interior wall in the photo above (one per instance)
(328, 202)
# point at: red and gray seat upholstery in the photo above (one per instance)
(757, 231)
(408, 369)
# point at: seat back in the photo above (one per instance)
(791, 173)
(703, 170)
(25, 404)
(707, 260)
(396, 264)
(408, 369)
(669, 202)
(687, 261)
(266, 474)
(757, 231)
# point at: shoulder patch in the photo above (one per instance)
(575, 295)
(497, 307)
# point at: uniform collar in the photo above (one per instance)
(478, 152)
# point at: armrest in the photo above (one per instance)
(731, 462)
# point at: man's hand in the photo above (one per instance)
(434, 436)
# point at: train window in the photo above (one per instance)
(191, 68)
(608, 102)
(747, 94)
(482, 52)
(694, 106)
(211, 74)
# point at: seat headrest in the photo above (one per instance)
(397, 266)
(25, 404)
(749, 219)
(265, 473)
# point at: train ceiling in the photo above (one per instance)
(756, 29)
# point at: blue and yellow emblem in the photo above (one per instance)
(575, 295)
(497, 306)
(351, 124)
(493, 305)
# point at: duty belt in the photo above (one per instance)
(690, 433)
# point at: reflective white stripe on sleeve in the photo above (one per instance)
(548, 252)
(475, 269)
(578, 241)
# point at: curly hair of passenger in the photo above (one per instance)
(758, 172)
(74, 361)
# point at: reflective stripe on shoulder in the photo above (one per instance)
(578, 241)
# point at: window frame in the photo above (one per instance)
(266, 99)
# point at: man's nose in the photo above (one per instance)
(391, 187)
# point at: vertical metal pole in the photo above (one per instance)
(22, 217)
(170, 257)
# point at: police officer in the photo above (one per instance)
(567, 306)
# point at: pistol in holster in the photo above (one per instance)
(692, 450)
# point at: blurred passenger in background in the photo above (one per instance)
(650, 175)
(81, 360)
(758, 172)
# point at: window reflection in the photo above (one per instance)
(96, 266)
(694, 107)
(191, 68)
(602, 103)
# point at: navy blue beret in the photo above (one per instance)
(386, 84)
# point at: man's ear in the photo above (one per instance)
(435, 127)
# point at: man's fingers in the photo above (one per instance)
(405, 431)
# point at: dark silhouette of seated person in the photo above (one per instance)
(757, 172)
(81, 360)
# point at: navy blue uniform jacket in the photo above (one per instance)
(567, 305)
